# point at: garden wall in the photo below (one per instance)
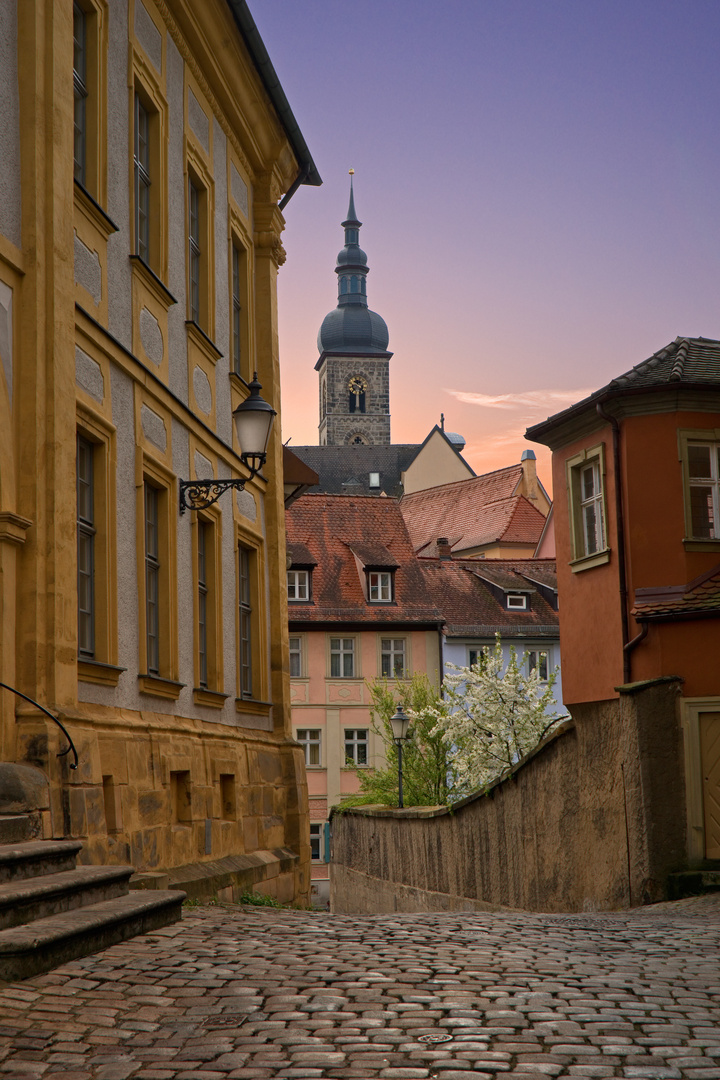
(593, 819)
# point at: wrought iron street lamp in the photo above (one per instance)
(253, 424)
(400, 724)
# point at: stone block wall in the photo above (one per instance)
(593, 820)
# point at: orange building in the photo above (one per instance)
(636, 476)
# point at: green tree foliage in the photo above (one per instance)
(428, 773)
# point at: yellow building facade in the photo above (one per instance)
(144, 158)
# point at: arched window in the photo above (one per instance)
(323, 411)
(343, 286)
(357, 440)
(357, 388)
(353, 284)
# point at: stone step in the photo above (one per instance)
(44, 944)
(15, 828)
(693, 883)
(37, 857)
(27, 899)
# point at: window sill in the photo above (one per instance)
(204, 343)
(94, 671)
(156, 686)
(153, 282)
(701, 545)
(213, 698)
(588, 561)
(94, 211)
(251, 705)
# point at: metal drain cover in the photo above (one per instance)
(437, 1038)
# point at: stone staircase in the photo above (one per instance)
(52, 910)
(702, 879)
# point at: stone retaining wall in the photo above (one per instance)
(593, 819)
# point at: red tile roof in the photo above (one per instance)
(472, 513)
(700, 598)
(343, 532)
(469, 594)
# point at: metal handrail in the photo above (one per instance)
(55, 720)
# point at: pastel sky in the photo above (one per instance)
(539, 182)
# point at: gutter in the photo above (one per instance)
(308, 173)
(620, 525)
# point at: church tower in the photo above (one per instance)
(354, 364)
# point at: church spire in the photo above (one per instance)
(352, 268)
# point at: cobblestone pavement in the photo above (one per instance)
(259, 993)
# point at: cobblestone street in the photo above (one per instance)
(262, 993)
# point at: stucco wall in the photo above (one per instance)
(10, 186)
(594, 819)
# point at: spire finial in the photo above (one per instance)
(351, 215)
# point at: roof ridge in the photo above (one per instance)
(465, 480)
(677, 369)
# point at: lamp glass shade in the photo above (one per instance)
(253, 423)
(400, 723)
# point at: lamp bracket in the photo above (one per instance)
(199, 494)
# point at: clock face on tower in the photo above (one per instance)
(356, 391)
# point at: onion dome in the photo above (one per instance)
(352, 327)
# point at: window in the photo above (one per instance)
(296, 657)
(309, 739)
(591, 510)
(356, 746)
(202, 578)
(380, 587)
(298, 585)
(238, 284)
(538, 661)
(80, 91)
(586, 473)
(85, 548)
(477, 656)
(142, 180)
(392, 658)
(703, 465)
(152, 579)
(194, 249)
(517, 601)
(342, 658)
(244, 589)
(374, 479)
(316, 842)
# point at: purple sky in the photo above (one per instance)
(539, 183)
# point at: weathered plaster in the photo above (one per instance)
(177, 333)
(202, 390)
(88, 271)
(118, 186)
(151, 336)
(148, 35)
(153, 427)
(6, 335)
(88, 375)
(239, 190)
(10, 184)
(198, 119)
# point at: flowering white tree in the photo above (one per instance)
(494, 714)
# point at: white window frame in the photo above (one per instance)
(477, 651)
(353, 741)
(316, 833)
(535, 659)
(298, 582)
(380, 586)
(345, 647)
(580, 505)
(392, 652)
(297, 653)
(309, 739)
(711, 483)
(521, 605)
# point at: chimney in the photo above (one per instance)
(529, 480)
(443, 548)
